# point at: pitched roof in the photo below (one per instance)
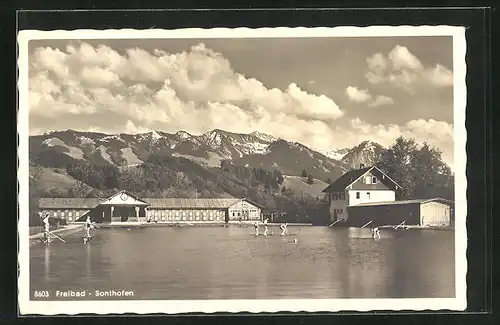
(419, 201)
(68, 203)
(189, 203)
(172, 203)
(345, 180)
(351, 176)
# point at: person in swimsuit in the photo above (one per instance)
(283, 229)
(256, 225)
(46, 225)
(88, 226)
(265, 227)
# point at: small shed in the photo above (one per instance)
(434, 212)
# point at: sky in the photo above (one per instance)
(326, 93)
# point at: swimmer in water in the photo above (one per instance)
(376, 233)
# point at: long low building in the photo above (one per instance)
(434, 212)
(124, 207)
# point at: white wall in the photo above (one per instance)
(435, 213)
(240, 209)
(374, 196)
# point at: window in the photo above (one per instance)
(334, 197)
(234, 214)
(357, 195)
(163, 214)
(374, 180)
(368, 193)
(70, 219)
(368, 180)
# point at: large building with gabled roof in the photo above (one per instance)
(363, 185)
(368, 196)
(126, 207)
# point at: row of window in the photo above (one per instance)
(358, 195)
(338, 211)
(173, 218)
(185, 213)
(62, 213)
(371, 180)
(341, 196)
(239, 214)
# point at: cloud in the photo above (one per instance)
(364, 96)
(96, 88)
(381, 100)
(358, 95)
(151, 88)
(403, 69)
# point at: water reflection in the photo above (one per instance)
(47, 262)
(224, 263)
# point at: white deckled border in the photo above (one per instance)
(253, 306)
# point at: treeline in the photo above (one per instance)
(418, 169)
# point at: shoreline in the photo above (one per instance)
(135, 224)
(63, 231)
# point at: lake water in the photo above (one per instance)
(231, 263)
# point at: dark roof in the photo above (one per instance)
(419, 201)
(345, 180)
(350, 177)
(180, 203)
(173, 203)
(189, 203)
(69, 203)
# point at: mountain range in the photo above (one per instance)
(211, 149)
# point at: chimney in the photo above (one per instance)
(361, 166)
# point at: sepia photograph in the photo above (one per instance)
(242, 170)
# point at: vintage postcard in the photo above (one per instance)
(242, 170)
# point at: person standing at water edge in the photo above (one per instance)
(376, 233)
(283, 229)
(88, 225)
(265, 227)
(256, 225)
(46, 225)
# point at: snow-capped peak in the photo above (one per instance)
(155, 135)
(183, 135)
(264, 136)
(336, 154)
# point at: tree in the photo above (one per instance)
(304, 173)
(396, 161)
(310, 180)
(420, 171)
(431, 176)
(79, 189)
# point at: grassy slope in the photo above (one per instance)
(52, 179)
(299, 184)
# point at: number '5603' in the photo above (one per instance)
(41, 294)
